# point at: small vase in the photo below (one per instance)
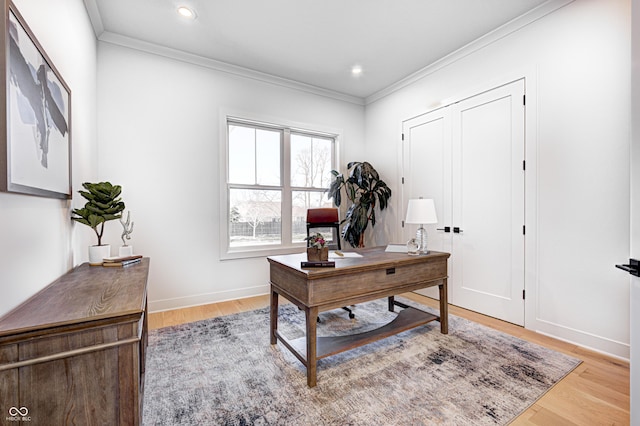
(98, 253)
(317, 254)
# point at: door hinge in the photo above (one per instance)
(523, 294)
(524, 165)
(403, 223)
(403, 180)
(524, 230)
(403, 136)
(524, 99)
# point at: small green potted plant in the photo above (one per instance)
(317, 249)
(365, 190)
(103, 204)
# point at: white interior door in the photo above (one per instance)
(427, 155)
(488, 203)
(469, 158)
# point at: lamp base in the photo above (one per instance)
(421, 236)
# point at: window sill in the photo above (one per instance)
(248, 253)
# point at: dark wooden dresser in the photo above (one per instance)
(74, 353)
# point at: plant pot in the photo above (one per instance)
(98, 253)
(317, 254)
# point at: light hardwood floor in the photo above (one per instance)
(595, 393)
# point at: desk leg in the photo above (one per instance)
(311, 318)
(444, 308)
(273, 316)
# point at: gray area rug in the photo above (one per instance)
(223, 371)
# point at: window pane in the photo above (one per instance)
(242, 155)
(301, 201)
(268, 157)
(322, 162)
(301, 172)
(310, 161)
(254, 217)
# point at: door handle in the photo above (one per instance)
(456, 230)
(633, 267)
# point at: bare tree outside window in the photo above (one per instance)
(311, 159)
(259, 217)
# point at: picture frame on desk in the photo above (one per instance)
(35, 114)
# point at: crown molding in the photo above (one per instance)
(132, 43)
(108, 37)
(94, 16)
(476, 45)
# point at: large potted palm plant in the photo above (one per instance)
(365, 190)
(103, 204)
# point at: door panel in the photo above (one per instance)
(488, 205)
(427, 151)
(427, 154)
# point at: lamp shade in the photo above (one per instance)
(421, 211)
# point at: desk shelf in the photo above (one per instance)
(326, 346)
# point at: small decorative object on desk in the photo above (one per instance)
(413, 247)
(126, 250)
(317, 249)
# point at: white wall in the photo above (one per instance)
(38, 242)
(576, 62)
(159, 122)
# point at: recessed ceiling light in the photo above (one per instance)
(356, 70)
(186, 12)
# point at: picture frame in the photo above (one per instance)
(35, 114)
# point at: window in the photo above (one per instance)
(274, 174)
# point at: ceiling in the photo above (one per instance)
(313, 42)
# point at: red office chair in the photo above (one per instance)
(321, 219)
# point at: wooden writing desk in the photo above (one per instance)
(375, 275)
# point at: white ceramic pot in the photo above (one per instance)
(98, 253)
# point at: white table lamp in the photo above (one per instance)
(421, 211)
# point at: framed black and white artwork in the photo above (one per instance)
(35, 145)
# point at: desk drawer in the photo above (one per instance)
(339, 287)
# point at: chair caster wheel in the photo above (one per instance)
(352, 315)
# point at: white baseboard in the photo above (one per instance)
(206, 298)
(592, 342)
(603, 345)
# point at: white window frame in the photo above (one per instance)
(227, 252)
